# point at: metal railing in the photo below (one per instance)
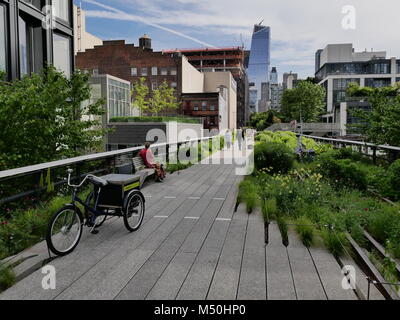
(388, 153)
(22, 178)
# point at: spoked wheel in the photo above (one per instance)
(134, 211)
(64, 231)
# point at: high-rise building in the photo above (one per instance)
(289, 80)
(273, 78)
(25, 46)
(276, 96)
(258, 68)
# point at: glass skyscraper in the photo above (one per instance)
(259, 62)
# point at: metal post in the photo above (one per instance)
(369, 287)
(374, 154)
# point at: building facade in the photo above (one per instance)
(339, 65)
(229, 59)
(273, 78)
(130, 62)
(276, 96)
(27, 42)
(289, 80)
(83, 39)
(258, 66)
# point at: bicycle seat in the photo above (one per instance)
(97, 181)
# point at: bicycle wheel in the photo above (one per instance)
(134, 211)
(64, 230)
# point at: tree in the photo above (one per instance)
(380, 124)
(41, 119)
(161, 99)
(306, 101)
(263, 120)
(140, 92)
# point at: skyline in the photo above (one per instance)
(294, 40)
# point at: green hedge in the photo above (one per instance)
(155, 119)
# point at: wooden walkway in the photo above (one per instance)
(191, 246)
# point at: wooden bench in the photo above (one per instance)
(137, 167)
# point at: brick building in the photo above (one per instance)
(130, 62)
(204, 105)
(219, 60)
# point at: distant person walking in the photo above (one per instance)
(240, 138)
(228, 139)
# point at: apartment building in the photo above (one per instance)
(338, 65)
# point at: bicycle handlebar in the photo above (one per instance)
(77, 185)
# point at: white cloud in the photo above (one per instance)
(300, 27)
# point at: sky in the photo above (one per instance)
(298, 27)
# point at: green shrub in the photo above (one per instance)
(384, 223)
(344, 172)
(7, 278)
(305, 229)
(394, 180)
(335, 242)
(155, 119)
(275, 157)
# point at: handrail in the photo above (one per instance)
(365, 144)
(67, 162)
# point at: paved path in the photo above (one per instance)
(191, 246)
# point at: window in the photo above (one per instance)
(173, 84)
(164, 71)
(154, 86)
(36, 3)
(143, 72)
(204, 106)
(24, 50)
(196, 107)
(133, 72)
(62, 9)
(173, 72)
(3, 65)
(398, 67)
(62, 53)
(380, 68)
(377, 82)
(154, 71)
(212, 108)
(95, 72)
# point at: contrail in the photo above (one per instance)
(130, 17)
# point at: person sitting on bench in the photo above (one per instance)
(148, 159)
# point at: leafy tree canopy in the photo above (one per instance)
(41, 119)
(305, 101)
(263, 120)
(380, 124)
(161, 99)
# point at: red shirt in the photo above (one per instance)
(147, 157)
